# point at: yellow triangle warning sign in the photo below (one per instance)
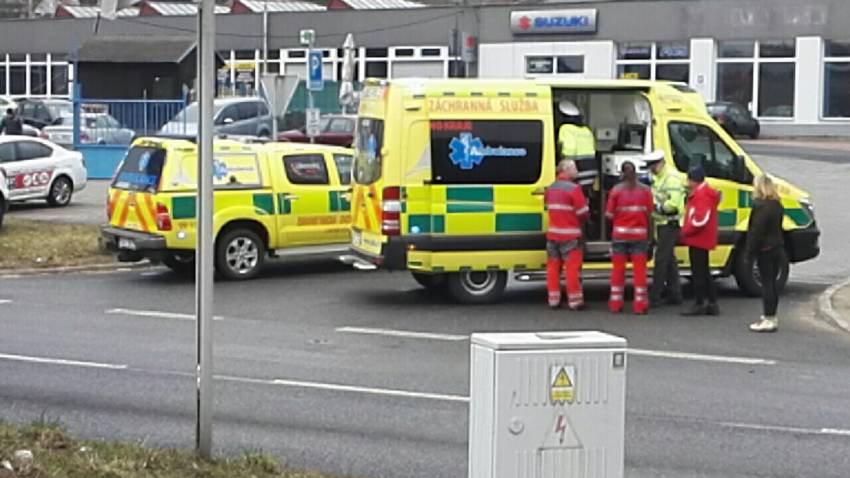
(562, 379)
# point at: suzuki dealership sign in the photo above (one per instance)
(553, 21)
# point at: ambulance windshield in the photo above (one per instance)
(140, 170)
(367, 159)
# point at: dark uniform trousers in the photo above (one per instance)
(665, 275)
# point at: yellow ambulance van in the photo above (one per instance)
(271, 200)
(449, 176)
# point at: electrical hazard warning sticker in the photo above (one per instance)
(562, 385)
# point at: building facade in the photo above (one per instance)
(788, 61)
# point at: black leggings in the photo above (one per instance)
(703, 282)
(768, 263)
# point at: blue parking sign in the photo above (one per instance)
(316, 80)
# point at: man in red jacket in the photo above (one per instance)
(699, 233)
(567, 209)
(629, 207)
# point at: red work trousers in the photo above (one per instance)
(572, 271)
(616, 300)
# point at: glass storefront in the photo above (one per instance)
(735, 83)
(771, 93)
(668, 61)
(776, 90)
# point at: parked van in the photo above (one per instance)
(271, 200)
(449, 176)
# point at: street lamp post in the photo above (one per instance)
(204, 240)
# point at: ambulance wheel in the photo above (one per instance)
(477, 287)
(239, 254)
(182, 264)
(429, 281)
(60, 192)
(748, 277)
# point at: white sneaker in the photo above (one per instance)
(765, 325)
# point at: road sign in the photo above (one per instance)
(307, 37)
(316, 81)
(313, 122)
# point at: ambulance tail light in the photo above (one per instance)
(110, 207)
(163, 217)
(391, 212)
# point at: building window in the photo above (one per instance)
(570, 64)
(836, 79)
(668, 61)
(3, 81)
(776, 90)
(296, 54)
(376, 69)
(431, 52)
(561, 64)
(245, 54)
(758, 75)
(59, 74)
(18, 80)
(377, 52)
(38, 80)
(404, 52)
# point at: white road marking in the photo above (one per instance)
(156, 314)
(403, 333)
(784, 429)
(5, 301)
(348, 388)
(55, 361)
(640, 352)
(701, 357)
(151, 273)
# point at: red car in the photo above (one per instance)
(337, 130)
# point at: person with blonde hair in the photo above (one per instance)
(765, 244)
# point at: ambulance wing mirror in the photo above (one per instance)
(742, 173)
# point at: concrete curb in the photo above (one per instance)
(826, 309)
(110, 267)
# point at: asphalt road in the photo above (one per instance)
(87, 207)
(366, 374)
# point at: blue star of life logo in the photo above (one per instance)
(467, 151)
(219, 169)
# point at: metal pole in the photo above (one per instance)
(204, 247)
(265, 36)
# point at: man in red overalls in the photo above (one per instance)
(567, 210)
(629, 207)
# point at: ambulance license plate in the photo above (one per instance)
(124, 243)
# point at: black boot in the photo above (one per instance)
(695, 310)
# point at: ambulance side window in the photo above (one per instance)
(343, 166)
(486, 151)
(694, 144)
(306, 169)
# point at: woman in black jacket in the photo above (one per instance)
(765, 243)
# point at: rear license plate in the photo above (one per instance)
(356, 238)
(124, 243)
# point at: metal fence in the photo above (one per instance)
(104, 128)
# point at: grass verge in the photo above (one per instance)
(27, 244)
(55, 454)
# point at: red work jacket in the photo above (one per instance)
(567, 209)
(629, 209)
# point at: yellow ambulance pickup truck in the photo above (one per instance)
(271, 200)
(449, 177)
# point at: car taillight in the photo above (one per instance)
(84, 137)
(391, 211)
(163, 218)
(110, 207)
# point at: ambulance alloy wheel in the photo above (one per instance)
(60, 192)
(429, 281)
(748, 278)
(239, 254)
(477, 287)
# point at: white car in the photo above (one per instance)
(38, 169)
(4, 196)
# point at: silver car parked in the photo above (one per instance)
(231, 116)
(97, 128)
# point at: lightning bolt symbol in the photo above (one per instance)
(561, 428)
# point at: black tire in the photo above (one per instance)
(754, 134)
(239, 254)
(182, 264)
(429, 281)
(747, 276)
(265, 135)
(60, 192)
(477, 287)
